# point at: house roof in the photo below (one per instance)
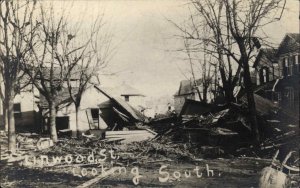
(192, 107)
(263, 106)
(187, 87)
(123, 104)
(128, 90)
(268, 53)
(63, 97)
(59, 73)
(295, 36)
(122, 90)
(290, 43)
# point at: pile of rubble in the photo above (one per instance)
(226, 129)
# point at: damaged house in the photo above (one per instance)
(118, 113)
(31, 110)
(277, 73)
(95, 112)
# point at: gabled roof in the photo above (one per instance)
(128, 90)
(290, 43)
(63, 97)
(295, 36)
(187, 87)
(59, 73)
(124, 105)
(122, 90)
(268, 53)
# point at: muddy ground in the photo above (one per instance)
(159, 164)
(227, 173)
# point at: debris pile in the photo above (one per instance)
(227, 129)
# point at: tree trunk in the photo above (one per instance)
(205, 94)
(4, 119)
(228, 89)
(251, 101)
(11, 125)
(77, 126)
(53, 132)
(226, 86)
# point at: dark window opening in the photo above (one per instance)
(289, 65)
(126, 98)
(289, 96)
(276, 97)
(95, 118)
(284, 68)
(264, 75)
(17, 110)
(62, 123)
(297, 62)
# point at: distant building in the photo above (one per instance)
(189, 89)
(131, 95)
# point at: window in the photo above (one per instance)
(290, 66)
(297, 61)
(126, 98)
(95, 118)
(257, 78)
(17, 110)
(265, 74)
(284, 70)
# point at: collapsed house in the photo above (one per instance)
(118, 114)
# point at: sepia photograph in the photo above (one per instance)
(149, 93)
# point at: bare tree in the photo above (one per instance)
(48, 68)
(17, 31)
(204, 75)
(234, 26)
(88, 62)
(204, 36)
(65, 60)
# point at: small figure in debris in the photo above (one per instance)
(169, 107)
(102, 127)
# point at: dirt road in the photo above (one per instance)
(236, 172)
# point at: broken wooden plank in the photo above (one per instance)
(128, 132)
(98, 178)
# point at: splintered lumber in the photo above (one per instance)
(98, 178)
(130, 136)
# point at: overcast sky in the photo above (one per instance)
(145, 42)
